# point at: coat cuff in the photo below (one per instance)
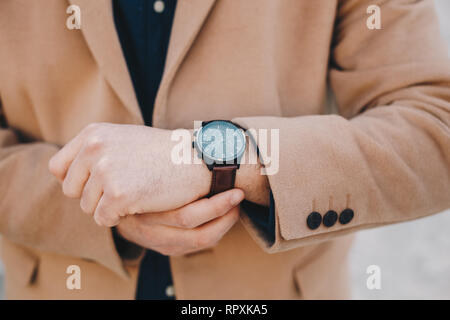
(262, 218)
(309, 179)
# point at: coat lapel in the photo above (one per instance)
(97, 25)
(190, 16)
(99, 31)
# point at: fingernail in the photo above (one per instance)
(236, 198)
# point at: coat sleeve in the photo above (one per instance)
(35, 213)
(386, 155)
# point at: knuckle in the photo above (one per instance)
(93, 144)
(103, 222)
(102, 167)
(103, 218)
(202, 240)
(85, 206)
(68, 189)
(54, 167)
(100, 219)
(116, 192)
(216, 206)
(183, 220)
(100, 213)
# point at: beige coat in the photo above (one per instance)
(263, 63)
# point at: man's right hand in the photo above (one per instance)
(194, 227)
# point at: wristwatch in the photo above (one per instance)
(221, 144)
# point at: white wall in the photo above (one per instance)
(414, 257)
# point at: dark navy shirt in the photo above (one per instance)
(144, 33)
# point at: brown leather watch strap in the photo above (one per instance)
(223, 178)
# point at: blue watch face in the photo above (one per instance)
(221, 141)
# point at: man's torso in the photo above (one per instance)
(248, 58)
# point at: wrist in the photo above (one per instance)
(250, 179)
(200, 176)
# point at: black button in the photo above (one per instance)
(346, 216)
(330, 218)
(314, 220)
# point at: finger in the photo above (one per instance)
(105, 215)
(176, 241)
(91, 195)
(210, 233)
(197, 212)
(76, 177)
(59, 164)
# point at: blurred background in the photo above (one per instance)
(414, 257)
